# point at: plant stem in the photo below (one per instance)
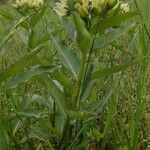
(79, 82)
(75, 99)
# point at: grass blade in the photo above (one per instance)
(109, 71)
(18, 66)
(108, 38)
(113, 21)
(9, 32)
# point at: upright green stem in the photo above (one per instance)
(30, 39)
(79, 83)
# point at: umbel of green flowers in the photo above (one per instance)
(87, 14)
(28, 4)
(88, 8)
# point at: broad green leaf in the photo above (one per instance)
(57, 95)
(68, 27)
(70, 59)
(42, 100)
(63, 80)
(27, 74)
(18, 66)
(59, 121)
(113, 21)
(10, 31)
(109, 71)
(107, 38)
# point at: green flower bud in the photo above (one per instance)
(77, 5)
(124, 7)
(79, 1)
(28, 4)
(111, 3)
(114, 10)
(82, 36)
(83, 11)
(97, 10)
(62, 8)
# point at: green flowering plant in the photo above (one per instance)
(90, 25)
(87, 14)
(91, 21)
(33, 11)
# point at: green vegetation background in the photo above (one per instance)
(116, 114)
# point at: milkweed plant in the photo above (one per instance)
(89, 26)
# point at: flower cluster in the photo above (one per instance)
(62, 8)
(28, 4)
(91, 7)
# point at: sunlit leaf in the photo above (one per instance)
(70, 59)
(28, 74)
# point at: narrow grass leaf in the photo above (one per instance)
(108, 38)
(3, 140)
(11, 14)
(113, 21)
(109, 71)
(18, 66)
(9, 32)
